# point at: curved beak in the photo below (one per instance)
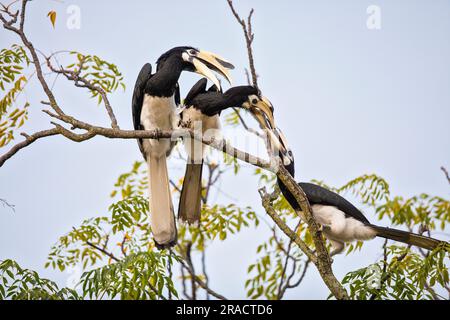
(205, 61)
(278, 145)
(279, 140)
(263, 112)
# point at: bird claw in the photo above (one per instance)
(324, 227)
(185, 124)
(158, 133)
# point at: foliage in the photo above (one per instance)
(416, 274)
(405, 275)
(232, 118)
(17, 283)
(138, 276)
(131, 268)
(217, 222)
(119, 258)
(269, 268)
(276, 255)
(100, 73)
(12, 82)
(134, 269)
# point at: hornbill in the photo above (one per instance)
(154, 103)
(202, 109)
(341, 221)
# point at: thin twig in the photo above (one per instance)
(202, 284)
(76, 77)
(266, 202)
(188, 259)
(204, 272)
(7, 204)
(102, 250)
(288, 256)
(249, 37)
(446, 173)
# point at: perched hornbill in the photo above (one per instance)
(202, 110)
(154, 103)
(341, 221)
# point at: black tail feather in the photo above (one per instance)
(407, 237)
(189, 209)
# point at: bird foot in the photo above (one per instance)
(158, 133)
(324, 227)
(185, 124)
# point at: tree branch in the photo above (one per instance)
(110, 133)
(249, 37)
(35, 59)
(267, 204)
(446, 173)
(77, 78)
(7, 204)
(323, 261)
(29, 139)
(203, 284)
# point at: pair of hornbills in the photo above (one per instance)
(156, 98)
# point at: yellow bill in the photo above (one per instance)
(216, 63)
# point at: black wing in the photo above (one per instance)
(319, 195)
(199, 87)
(138, 98)
(214, 88)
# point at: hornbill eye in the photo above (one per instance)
(193, 52)
(254, 101)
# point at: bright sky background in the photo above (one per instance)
(350, 101)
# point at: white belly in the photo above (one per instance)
(208, 126)
(340, 227)
(158, 113)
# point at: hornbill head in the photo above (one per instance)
(250, 98)
(199, 61)
(262, 110)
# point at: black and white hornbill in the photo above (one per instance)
(202, 110)
(155, 99)
(341, 221)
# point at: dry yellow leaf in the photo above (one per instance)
(52, 16)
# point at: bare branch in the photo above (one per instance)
(174, 185)
(446, 173)
(7, 204)
(288, 256)
(267, 204)
(103, 250)
(302, 276)
(249, 37)
(29, 140)
(110, 133)
(191, 269)
(323, 261)
(202, 284)
(204, 272)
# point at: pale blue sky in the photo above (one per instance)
(350, 101)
